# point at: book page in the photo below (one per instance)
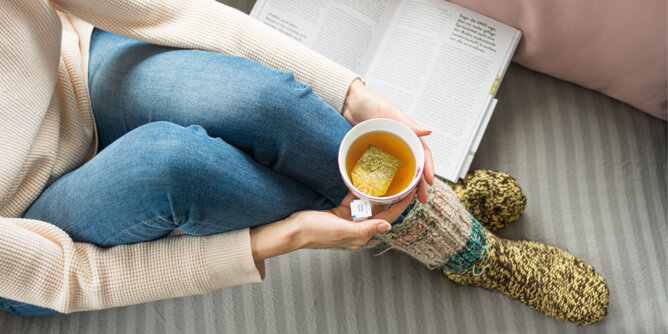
(346, 31)
(477, 139)
(441, 63)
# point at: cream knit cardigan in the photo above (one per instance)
(47, 129)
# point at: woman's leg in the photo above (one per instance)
(23, 309)
(443, 234)
(162, 176)
(263, 112)
(159, 177)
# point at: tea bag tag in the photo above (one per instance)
(360, 209)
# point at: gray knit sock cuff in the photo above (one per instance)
(434, 231)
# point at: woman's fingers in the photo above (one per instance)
(420, 130)
(346, 200)
(397, 209)
(359, 233)
(428, 163)
(379, 208)
(368, 228)
(423, 190)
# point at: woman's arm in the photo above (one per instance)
(212, 26)
(322, 229)
(41, 265)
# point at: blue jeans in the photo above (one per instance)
(201, 141)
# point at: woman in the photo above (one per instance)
(215, 143)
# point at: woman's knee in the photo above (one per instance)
(281, 98)
(183, 165)
(160, 137)
(163, 151)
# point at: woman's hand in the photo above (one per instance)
(322, 229)
(333, 228)
(362, 104)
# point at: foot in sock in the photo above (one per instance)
(494, 198)
(546, 278)
(442, 234)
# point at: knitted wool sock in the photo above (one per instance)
(494, 198)
(441, 233)
(434, 231)
(545, 278)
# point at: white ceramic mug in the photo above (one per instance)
(396, 128)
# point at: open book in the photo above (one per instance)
(440, 62)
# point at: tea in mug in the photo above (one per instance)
(385, 152)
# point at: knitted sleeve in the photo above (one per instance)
(212, 26)
(41, 265)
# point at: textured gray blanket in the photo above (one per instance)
(594, 171)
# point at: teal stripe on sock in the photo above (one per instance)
(472, 253)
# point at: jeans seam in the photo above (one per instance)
(132, 228)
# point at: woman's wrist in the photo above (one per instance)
(274, 239)
(355, 92)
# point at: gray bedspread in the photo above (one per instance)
(594, 170)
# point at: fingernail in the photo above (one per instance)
(384, 227)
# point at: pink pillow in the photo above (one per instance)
(617, 47)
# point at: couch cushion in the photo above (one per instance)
(616, 47)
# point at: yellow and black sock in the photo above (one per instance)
(442, 234)
(494, 198)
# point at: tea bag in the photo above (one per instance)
(374, 171)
